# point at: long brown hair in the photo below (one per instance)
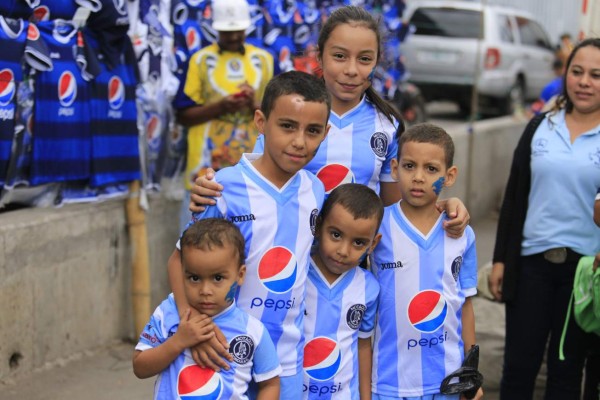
(357, 16)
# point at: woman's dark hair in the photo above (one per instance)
(563, 100)
(357, 16)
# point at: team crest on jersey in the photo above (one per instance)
(355, 315)
(195, 382)
(234, 65)
(242, 349)
(314, 214)
(539, 147)
(7, 87)
(595, 157)
(33, 32)
(379, 144)
(456, 267)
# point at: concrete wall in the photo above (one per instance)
(65, 279)
(482, 175)
(65, 273)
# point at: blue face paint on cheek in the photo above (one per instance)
(438, 185)
(232, 291)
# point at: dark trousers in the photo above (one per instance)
(539, 312)
(591, 389)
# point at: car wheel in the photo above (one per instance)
(515, 100)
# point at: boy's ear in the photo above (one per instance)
(241, 274)
(260, 120)
(374, 243)
(394, 172)
(451, 175)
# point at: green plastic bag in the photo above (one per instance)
(585, 300)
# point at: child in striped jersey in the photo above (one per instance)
(212, 256)
(341, 297)
(425, 321)
(275, 203)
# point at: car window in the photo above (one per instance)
(447, 22)
(506, 28)
(531, 33)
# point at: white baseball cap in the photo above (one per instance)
(230, 15)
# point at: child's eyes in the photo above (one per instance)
(359, 243)
(314, 131)
(335, 235)
(366, 60)
(432, 169)
(194, 278)
(407, 166)
(286, 126)
(219, 278)
(338, 56)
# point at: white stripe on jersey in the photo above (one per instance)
(424, 279)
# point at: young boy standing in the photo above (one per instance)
(425, 321)
(275, 204)
(341, 298)
(212, 256)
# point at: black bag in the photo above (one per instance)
(469, 378)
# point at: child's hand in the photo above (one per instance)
(458, 214)
(213, 352)
(203, 190)
(478, 395)
(194, 329)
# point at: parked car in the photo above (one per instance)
(505, 53)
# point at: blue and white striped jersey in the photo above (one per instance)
(424, 281)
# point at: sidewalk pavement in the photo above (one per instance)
(106, 373)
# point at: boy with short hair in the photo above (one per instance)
(425, 320)
(341, 297)
(212, 256)
(275, 203)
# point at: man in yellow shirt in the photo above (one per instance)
(226, 80)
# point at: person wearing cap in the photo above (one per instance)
(226, 81)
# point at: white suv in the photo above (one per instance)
(515, 55)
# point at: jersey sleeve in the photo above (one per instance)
(468, 269)
(392, 152)
(266, 363)
(193, 83)
(372, 300)
(156, 331)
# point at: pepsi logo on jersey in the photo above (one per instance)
(333, 175)
(116, 97)
(67, 93)
(197, 383)
(322, 359)
(277, 271)
(427, 312)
